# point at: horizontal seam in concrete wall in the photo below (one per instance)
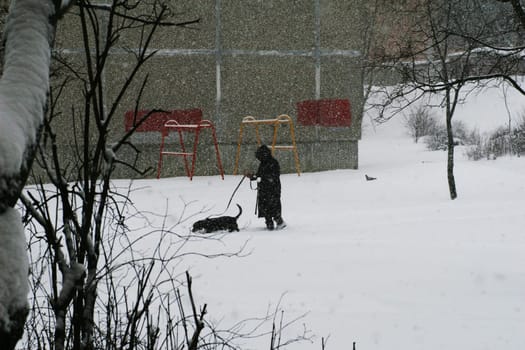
(211, 52)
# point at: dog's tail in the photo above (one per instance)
(240, 211)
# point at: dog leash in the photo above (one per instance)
(231, 198)
(234, 191)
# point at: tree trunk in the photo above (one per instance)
(450, 149)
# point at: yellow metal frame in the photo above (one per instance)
(276, 123)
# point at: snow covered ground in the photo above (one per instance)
(388, 264)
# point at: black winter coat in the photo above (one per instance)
(269, 186)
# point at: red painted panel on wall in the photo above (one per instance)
(308, 112)
(154, 122)
(334, 112)
(327, 112)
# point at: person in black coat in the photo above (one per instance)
(268, 188)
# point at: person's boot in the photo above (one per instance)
(269, 224)
(280, 223)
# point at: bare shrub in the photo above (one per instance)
(437, 140)
(518, 136)
(478, 146)
(499, 142)
(420, 122)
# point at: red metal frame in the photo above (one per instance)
(173, 125)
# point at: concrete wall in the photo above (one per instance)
(249, 57)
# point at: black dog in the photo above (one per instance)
(221, 223)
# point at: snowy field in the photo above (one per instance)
(387, 264)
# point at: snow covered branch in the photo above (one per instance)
(28, 35)
(23, 91)
(14, 268)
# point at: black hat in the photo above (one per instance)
(263, 152)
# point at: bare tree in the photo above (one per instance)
(442, 56)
